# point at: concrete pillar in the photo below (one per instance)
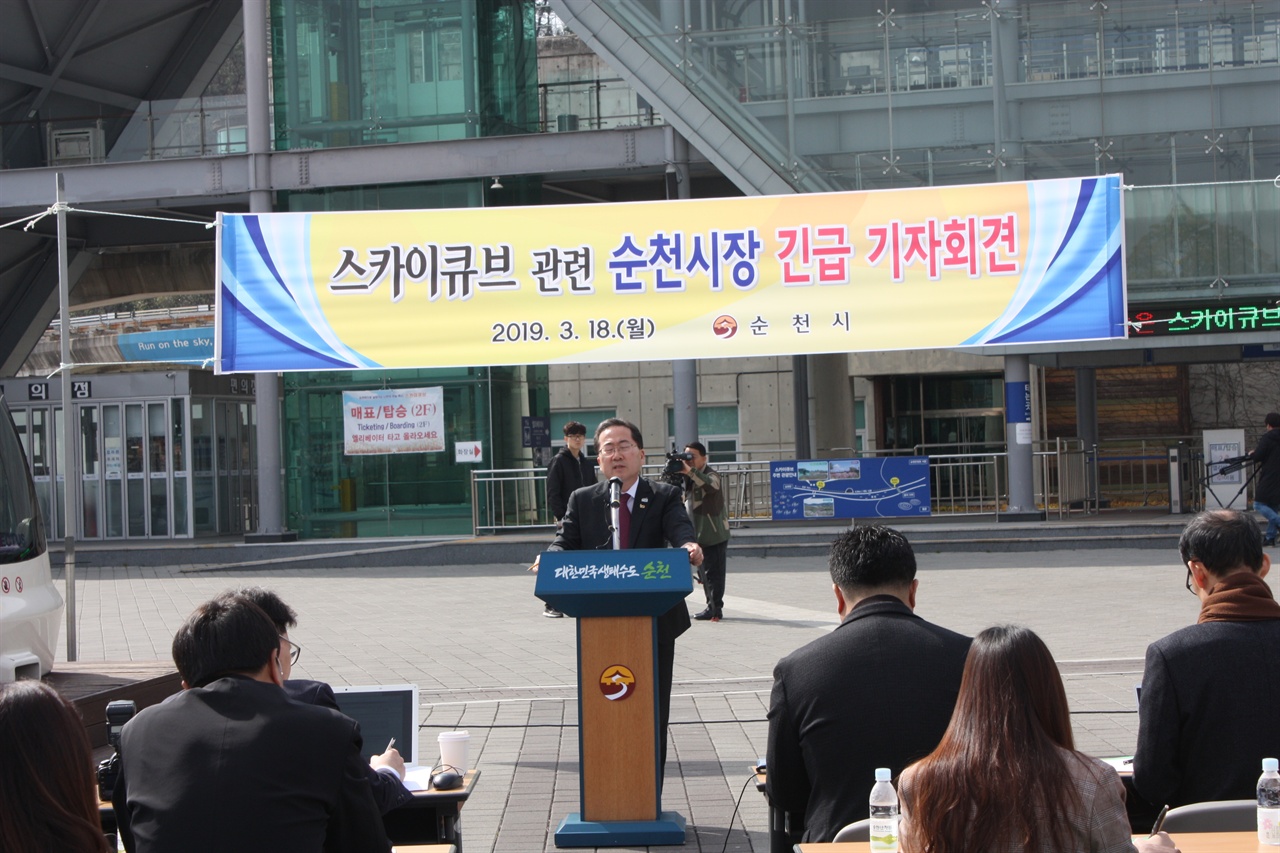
(833, 426)
(1087, 405)
(267, 395)
(1017, 430)
(684, 373)
(800, 405)
(1006, 130)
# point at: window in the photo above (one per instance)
(717, 429)
(590, 418)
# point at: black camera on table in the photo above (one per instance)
(119, 712)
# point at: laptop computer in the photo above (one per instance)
(384, 711)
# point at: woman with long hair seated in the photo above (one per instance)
(1006, 776)
(47, 791)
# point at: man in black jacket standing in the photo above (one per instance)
(1266, 494)
(571, 469)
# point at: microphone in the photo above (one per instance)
(615, 492)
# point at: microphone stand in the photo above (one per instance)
(615, 506)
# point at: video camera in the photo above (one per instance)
(119, 712)
(673, 472)
(676, 460)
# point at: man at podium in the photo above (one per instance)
(651, 515)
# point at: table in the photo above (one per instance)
(1188, 842)
(784, 828)
(431, 818)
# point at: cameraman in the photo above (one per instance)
(1266, 495)
(710, 513)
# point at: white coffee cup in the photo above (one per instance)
(453, 749)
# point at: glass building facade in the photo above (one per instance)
(385, 72)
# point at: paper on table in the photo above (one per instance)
(1121, 763)
(417, 778)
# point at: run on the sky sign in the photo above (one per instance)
(1034, 262)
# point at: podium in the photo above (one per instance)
(616, 597)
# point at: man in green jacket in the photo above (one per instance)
(710, 513)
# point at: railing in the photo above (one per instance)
(964, 484)
(1134, 472)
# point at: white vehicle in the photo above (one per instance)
(30, 606)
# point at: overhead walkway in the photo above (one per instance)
(656, 61)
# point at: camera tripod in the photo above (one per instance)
(1229, 466)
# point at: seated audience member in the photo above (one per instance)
(1006, 776)
(231, 763)
(385, 770)
(1210, 691)
(48, 796)
(875, 692)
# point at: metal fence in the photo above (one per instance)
(1069, 478)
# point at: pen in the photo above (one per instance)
(1159, 820)
(392, 743)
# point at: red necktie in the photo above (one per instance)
(624, 522)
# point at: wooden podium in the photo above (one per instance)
(616, 597)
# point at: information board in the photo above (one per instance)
(883, 487)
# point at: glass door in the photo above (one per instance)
(33, 432)
(90, 474)
(135, 470)
(158, 469)
(112, 472)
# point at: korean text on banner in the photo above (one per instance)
(409, 420)
(1032, 262)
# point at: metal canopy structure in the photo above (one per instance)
(97, 66)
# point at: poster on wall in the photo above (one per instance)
(926, 267)
(404, 420)
(881, 487)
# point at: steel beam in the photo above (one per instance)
(209, 179)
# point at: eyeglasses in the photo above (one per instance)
(295, 650)
(620, 447)
(1189, 587)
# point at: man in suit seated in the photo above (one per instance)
(1208, 716)
(386, 770)
(231, 763)
(878, 691)
(652, 515)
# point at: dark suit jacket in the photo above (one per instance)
(238, 766)
(658, 520)
(878, 691)
(1210, 712)
(1267, 454)
(565, 475)
(388, 791)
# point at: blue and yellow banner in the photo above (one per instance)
(1034, 262)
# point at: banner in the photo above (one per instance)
(1031, 262)
(875, 487)
(409, 420)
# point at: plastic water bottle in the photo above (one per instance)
(884, 813)
(1269, 802)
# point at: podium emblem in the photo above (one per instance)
(617, 682)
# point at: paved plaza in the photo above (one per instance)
(474, 639)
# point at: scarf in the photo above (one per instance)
(1239, 597)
